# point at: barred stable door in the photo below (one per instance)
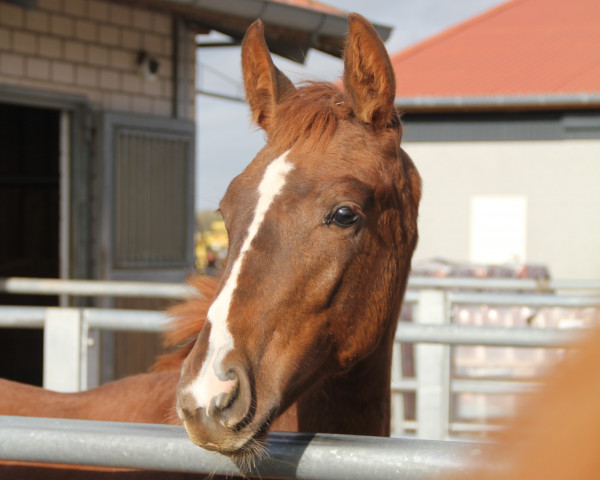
(146, 224)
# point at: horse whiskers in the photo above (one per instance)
(251, 454)
(172, 419)
(171, 416)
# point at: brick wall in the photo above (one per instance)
(90, 48)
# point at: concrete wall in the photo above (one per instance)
(560, 181)
(90, 48)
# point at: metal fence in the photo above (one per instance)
(67, 330)
(291, 456)
(435, 334)
(66, 334)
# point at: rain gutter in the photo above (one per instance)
(313, 21)
(569, 101)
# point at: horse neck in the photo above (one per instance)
(356, 402)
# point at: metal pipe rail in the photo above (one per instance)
(450, 334)
(519, 284)
(93, 288)
(51, 286)
(99, 318)
(167, 448)
(538, 300)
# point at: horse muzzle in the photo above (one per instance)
(218, 419)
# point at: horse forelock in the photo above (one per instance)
(312, 114)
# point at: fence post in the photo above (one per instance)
(397, 397)
(63, 349)
(433, 371)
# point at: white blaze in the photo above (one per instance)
(207, 384)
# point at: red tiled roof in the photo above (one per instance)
(313, 5)
(520, 48)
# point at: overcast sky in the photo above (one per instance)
(226, 142)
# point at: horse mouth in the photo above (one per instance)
(245, 451)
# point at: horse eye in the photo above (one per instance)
(344, 217)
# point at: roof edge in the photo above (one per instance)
(324, 29)
(584, 100)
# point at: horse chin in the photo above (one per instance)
(245, 447)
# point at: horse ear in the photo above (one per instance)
(368, 74)
(265, 85)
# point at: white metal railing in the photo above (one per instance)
(93, 288)
(434, 335)
(51, 286)
(514, 284)
(66, 336)
(66, 330)
(66, 333)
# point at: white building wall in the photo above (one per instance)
(560, 181)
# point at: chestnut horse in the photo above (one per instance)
(322, 226)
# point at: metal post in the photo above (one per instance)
(63, 350)
(433, 371)
(65, 200)
(397, 397)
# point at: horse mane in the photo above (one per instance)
(312, 113)
(187, 319)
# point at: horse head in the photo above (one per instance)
(322, 226)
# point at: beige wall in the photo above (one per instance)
(561, 183)
(89, 48)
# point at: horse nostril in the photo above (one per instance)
(233, 407)
(226, 400)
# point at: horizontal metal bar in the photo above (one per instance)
(518, 284)
(22, 317)
(405, 385)
(167, 448)
(456, 427)
(51, 286)
(153, 321)
(477, 283)
(491, 336)
(463, 427)
(574, 284)
(492, 386)
(472, 386)
(99, 318)
(121, 320)
(47, 286)
(523, 299)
